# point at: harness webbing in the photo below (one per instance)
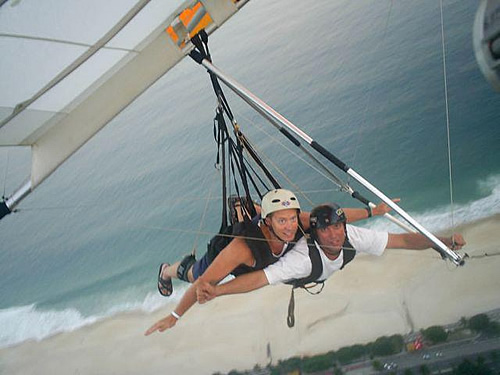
(316, 267)
(230, 154)
(313, 279)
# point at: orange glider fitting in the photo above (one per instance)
(185, 17)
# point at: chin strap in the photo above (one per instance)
(271, 230)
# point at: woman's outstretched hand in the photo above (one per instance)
(162, 325)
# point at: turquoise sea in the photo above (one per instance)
(363, 78)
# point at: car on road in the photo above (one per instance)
(390, 366)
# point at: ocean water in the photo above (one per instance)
(364, 79)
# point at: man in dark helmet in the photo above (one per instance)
(337, 243)
(328, 226)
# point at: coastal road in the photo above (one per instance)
(446, 355)
(439, 357)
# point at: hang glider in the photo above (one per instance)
(54, 107)
(98, 78)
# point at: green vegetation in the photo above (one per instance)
(384, 346)
(479, 322)
(318, 363)
(377, 365)
(435, 334)
(478, 368)
(290, 364)
(482, 323)
(388, 345)
(349, 354)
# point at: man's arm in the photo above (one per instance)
(354, 214)
(295, 264)
(417, 241)
(242, 284)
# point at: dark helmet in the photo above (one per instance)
(326, 214)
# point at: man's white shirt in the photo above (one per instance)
(296, 264)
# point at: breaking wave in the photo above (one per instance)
(24, 323)
(440, 219)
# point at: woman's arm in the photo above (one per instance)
(236, 253)
(241, 284)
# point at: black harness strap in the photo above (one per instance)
(349, 254)
(220, 138)
(290, 318)
(316, 267)
(316, 271)
(237, 162)
(257, 159)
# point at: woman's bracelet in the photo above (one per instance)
(175, 315)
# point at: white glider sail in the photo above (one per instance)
(65, 82)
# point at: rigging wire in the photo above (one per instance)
(5, 175)
(331, 175)
(203, 216)
(447, 118)
(482, 253)
(333, 178)
(281, 172)
(65, 42)
(125, 200)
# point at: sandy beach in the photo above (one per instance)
(375, 296)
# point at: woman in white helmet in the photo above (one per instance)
(265, 241)
(255, 246)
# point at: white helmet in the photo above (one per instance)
(277, 200)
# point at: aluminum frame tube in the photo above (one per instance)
(8, 206)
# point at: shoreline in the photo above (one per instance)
(396, 293)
